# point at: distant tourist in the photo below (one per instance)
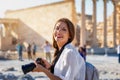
(34, 48)
(19, 48)
(82, 52)
(118, 52)
(91, 70)
(29, 52)
(47, 48)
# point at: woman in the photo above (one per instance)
(67, 64)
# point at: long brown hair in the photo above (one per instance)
(71, 30)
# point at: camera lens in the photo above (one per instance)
(28, 67)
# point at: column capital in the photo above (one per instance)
(94, 1)
(115, 2)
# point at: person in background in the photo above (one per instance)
(29, 52)
(19, 49)
(91, 70)
(67, 64)
(118, 52)
(47, 48)
(34, 48)
(82, 52)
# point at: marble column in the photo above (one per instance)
(83, 27)
(114, 24)
(105, 23)
(94, 41)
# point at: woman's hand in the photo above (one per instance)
(47, 64)
(38, 68)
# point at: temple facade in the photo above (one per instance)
(35, 24)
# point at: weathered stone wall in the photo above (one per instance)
(36, 23)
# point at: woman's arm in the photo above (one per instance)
(40, 68)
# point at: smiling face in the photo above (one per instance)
(61, 33)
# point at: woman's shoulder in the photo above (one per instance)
(70, 48)
(71, 52)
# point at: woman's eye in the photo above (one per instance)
(64, 29)
(56, 28)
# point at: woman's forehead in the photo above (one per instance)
(61, 24)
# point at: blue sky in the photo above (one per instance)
(18, 4)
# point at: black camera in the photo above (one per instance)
(29, 67)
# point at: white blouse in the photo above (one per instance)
(70, 65)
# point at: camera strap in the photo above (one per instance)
(56, 59)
